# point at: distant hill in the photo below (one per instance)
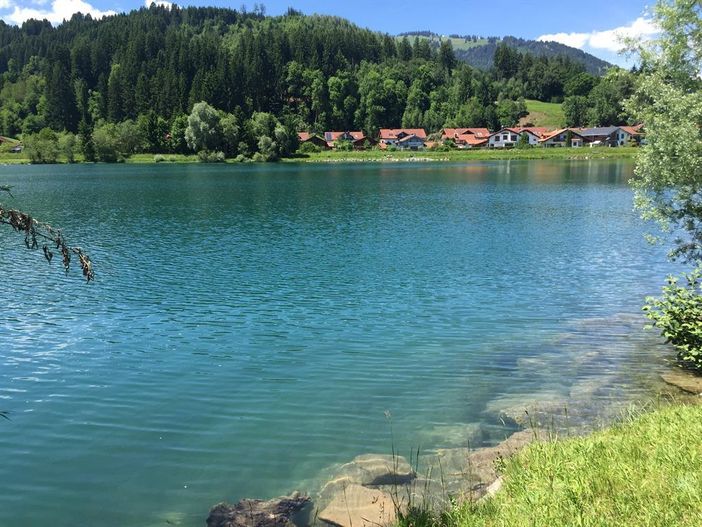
(479, 51)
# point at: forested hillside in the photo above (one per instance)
(129, 83)
(479, 52)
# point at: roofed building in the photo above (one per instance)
(395, 136)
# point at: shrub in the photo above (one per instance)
(42, 147)
(205, 156)
(678, 315)
(309, 148)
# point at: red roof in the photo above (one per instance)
(472, 140)
(304, 136)
(456, 133)
(331, 137)
(393, 133)
(632, 130)
(538, 131)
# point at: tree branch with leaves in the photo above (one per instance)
(39, 234)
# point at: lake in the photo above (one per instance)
(251, 326)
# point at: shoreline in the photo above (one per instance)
(378, 156)
(383, 490)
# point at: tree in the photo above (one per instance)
(668, 100)
(203, 131)
(42, 147)
(668, 182)
(575, 109)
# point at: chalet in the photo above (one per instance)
(466, 137)
(631, 134)
(603, 135)
(403, 138)
(317, 140)
(411, 142)
(509, 137)
(559, 138)
(357, 139)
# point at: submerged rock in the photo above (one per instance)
(468, 474)
(528, 409)
(278, 512)
(687, 382)
(359, 506)
(368, 470)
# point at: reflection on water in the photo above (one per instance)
(251, 326)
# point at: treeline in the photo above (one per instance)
(133, 80)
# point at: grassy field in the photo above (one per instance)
(546, 114)
(382, 156)
(646, 471)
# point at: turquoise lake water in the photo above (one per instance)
(251, 326)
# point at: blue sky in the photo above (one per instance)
(591, 25)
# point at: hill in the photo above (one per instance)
(480, 51)
(546, 114)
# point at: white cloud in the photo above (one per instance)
(60, 10)
(161, 3)
(610, 39)
(5, 4)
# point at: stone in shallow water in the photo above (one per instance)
(465, 473)
(278, 512)
(528, 409)
(685, 381)
(370, 470)
(358, 506)
(452, 435)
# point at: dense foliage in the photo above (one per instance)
(678, 314)
(668, 183)
(129, 83)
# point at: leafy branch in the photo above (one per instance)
(51, 238)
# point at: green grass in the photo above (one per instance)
(467, 155)
(384, 156)
(546, 114)
(646, 471)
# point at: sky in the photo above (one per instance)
(591, 25)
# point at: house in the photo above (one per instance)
(306, 137)
(411, 142)
(631, 134)
(466, 137)
(558, 138)
(357, 139)
(604, 135)
(394, 136)
(509, 137)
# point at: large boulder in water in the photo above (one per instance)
(358, 506)
(278, 512)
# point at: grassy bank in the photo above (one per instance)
(467, 155)
(645, 471)
(371, 156)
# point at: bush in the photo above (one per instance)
(678, 314)
(309, 148)
(42, 147)
(205, 156)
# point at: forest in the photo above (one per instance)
(228, 83)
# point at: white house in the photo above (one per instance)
(410, 142)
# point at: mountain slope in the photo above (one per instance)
(480, 51)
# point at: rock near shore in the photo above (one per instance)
(278, 512)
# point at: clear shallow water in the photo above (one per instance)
(250, 326)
